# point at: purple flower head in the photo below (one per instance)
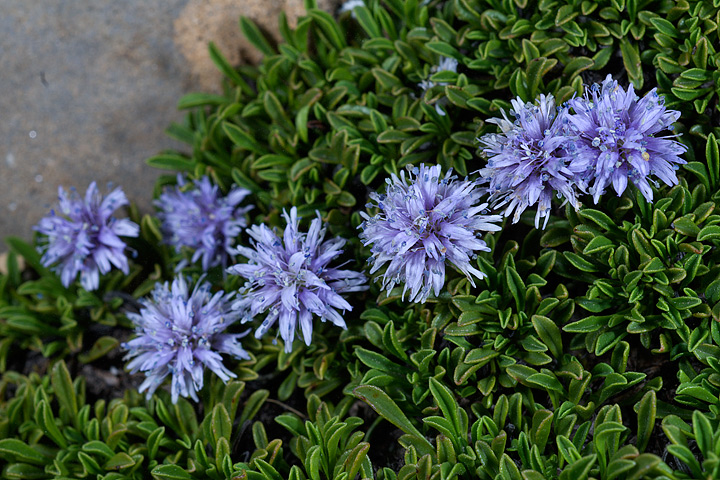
(532, 158)
(290, 279)
(618, 129)
(180, 333)
(425, 221)
(85, 238)
(202, 220)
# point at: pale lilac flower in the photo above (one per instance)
(533, 158)
(445, 64)
(179, 334)
(619, 129)
(426, 221)
(202, 219)
(289, 278)
(85, 237)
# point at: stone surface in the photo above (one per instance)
(202, 21)
(87, 88)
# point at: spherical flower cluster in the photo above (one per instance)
(426, 221)
(179, 334)
(289, 278)
(202, 220)
(618, 129)
(532, 158)
(85, 238)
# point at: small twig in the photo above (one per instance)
(287, 407)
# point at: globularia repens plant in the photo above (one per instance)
(473, 239)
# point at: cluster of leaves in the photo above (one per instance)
(590, 349)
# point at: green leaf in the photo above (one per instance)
(379, 362)
(224, 66)
(516, 286)
(96, 447)
(685, 303)
(567, 449)
(253, 405)
(547, 381)
(554, 237)
(665, 27)
(329, 28)
(119, 461)
(710, 232)
(23, 470)
(255, 36)
(220, 423)
(578, 65)
(696, 391)
(355, 459)
(444, 49)
(599, 218)
(64, 390)
(194, 100)
(13, 449)
(388, 409)
(597, 244)
(171, 161)
(631, 60)
(44, 418)
(367, 22)
(586, 325)
(276, 110)
(685, 226)
(712, 156)
(100, 348)
(26, 251)
(446, 401)
(272, 160)
(646, 411)
(549, 333)
(240, 138)
(579, 262)
(703, 433)
(301, 119)
(170, 472)
(153, 441)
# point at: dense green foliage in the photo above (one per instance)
(591, 350)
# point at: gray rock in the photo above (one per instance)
(87, 88)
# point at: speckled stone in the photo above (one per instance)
(87, 88)
(202, 21)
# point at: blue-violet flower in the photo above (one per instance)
(203, 220)
(426, 220)
(180, 333)
(85, 239)
(619, 129)
(289, 278)
(532, 158)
